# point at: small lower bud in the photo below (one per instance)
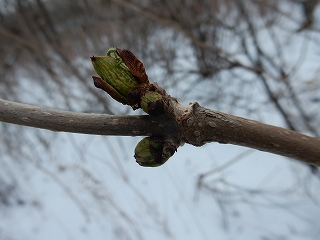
(153, 152)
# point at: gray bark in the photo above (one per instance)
(202, 125)
(194, 125)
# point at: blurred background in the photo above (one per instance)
(252, 58)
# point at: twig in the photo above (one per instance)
(198, 127)
(86, 123)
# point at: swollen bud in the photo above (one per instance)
(115, 79)
(153, 103)
(153, 151)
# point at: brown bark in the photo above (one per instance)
(196, 125)
(86, 123)
(203, 125)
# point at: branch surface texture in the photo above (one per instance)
(86, 123)
(198, 126)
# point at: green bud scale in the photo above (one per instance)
(115, 78)
(153, 152)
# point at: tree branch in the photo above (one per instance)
(198, 127)
(86, 123)
(203, 125)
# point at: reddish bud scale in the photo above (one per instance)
(134, 64)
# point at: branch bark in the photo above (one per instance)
(203, 125)
(197, 127)
(86, 123)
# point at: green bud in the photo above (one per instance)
(115, 78)
(152, 103)
(153, 152)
